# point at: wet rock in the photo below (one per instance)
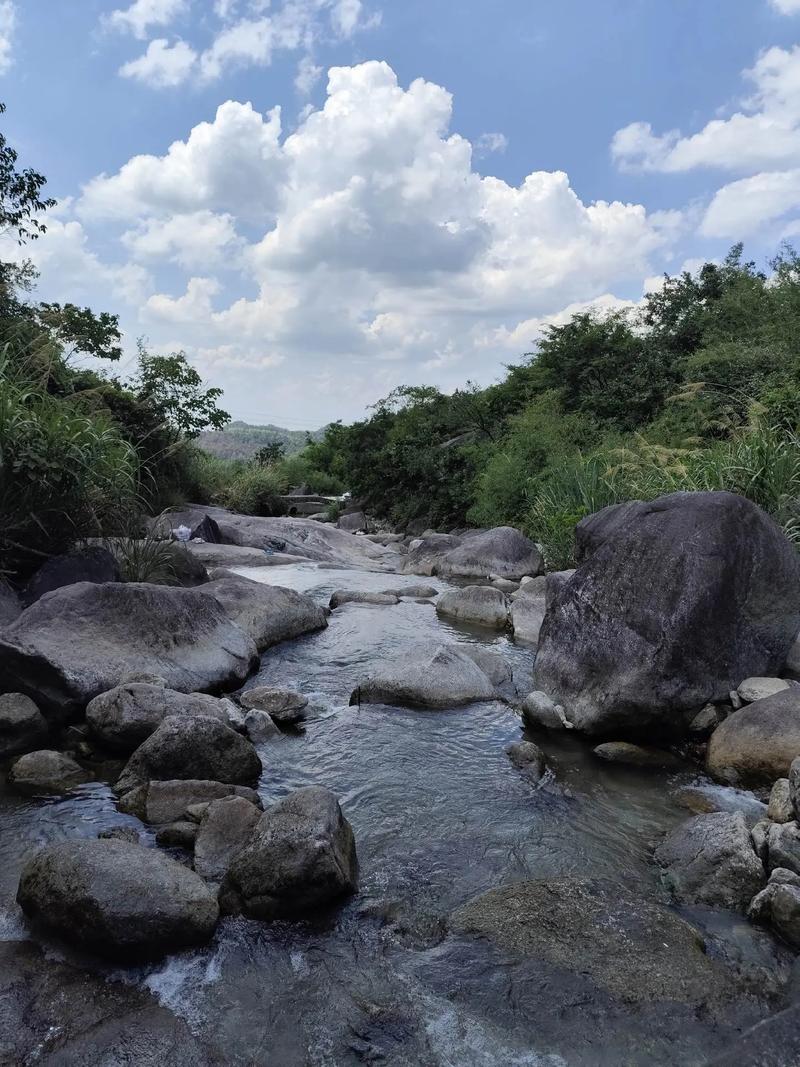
(22, 725)
(503, 552)
(759, 835)
(780, 807)
(120, 833)
(283, 705)
(526, 756)
(480, 605)
(527, 616)
(706, 721)
(426, 676)
(415, 592)
(778, 905)
(794, 786)
(191, 748)
(496, 669)
(758, 743)
(540, 712)
(90, 564)
(753, 689)
(78, 641)
(783, 847)
(126, 716)
(170, 801)
(180, 834)
(702, 799)
(259, 727)
(634, 755)
(301, 856)
(626, 646)
(710, 859)
(46, 773)
(357, 596)
(269, 614)
(225, 828)
(116, 898)
(10, 604)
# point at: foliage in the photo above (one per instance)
(255, 491)
(269, 455)
(174, 390)
(20, 195)
(239, 440)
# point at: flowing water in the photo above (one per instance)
(439, 815)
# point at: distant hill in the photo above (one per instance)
(240, 440)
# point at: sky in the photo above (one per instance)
(320, 200)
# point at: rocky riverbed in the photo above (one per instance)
(478, 892)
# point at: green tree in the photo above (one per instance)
(172, 387)
(21, 201)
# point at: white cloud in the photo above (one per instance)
(786, 7)
(200, 239)
(749, 205)
(489, 143)
(163, 65)
(142, 14)
(308, 74)
(8, 24)
(194, 305)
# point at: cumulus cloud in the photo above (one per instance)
(489, 143)
(747, 206)
(786, 7)
(8, 23)
(163, 65)
(199, 239)
(142, 14)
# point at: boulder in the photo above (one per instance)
(757, 744)
(46, 773)
(77, 642)
(540, 712)
(259, 727)
(778, 906)
(792, 664)
(180, 834)
(219, 558)
(225, 828)
(125, 716)
(196, 520)
(527, 757)
(753, 689)
(679, 600)
(505, 585)
(90, 564)
(415, 592)
(191, 747)
(527, 616)
(634, 755)
(782, 847)
(710, 859)
(780, 807)
(706, 721)
(480, 605)
(165, 802)
(357, 596)
(301, 856)
(283, 705)
(22, 725)
(503, 552)
(10, 604)
(117, 898)
(269, 614)
(187, 569)
(425, 675)
(425, 553)
(794, 786)
(353, 522)
(496, 669)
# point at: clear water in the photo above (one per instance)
(439, 816)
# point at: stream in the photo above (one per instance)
(440, 816)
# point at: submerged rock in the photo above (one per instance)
(301, 856)
(169, 801)
(676, 601)
(527, 757)
(22, 725)
(634, 755)
(758, 743)
(540, 712)
(415, 592)
(480, 605)
(46, 773)
(269, 614)
(283, 705)
(426, 676)
(117, 898)
(357, 596)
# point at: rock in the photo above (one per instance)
(187, 570)
(632, 947)
(680, 599)
(90, 564)
(535, 588)
(759, 835)
(143, 678)
(704, 798)
(496, 669)
(46, 773)
(772, 1042)
(162, 802)
(356, 596)
(792, 664)
(527, 757)
(301, 856)
(10, 605)
(783, 847)
(480, 605)
(218, 559)
(126, 716)
(780, 807)
(180, 834)
(758, 743)
(426, 675)
(268, 613)
(120, 833)
(78, 641)
(416, 592)
(22, 725)
(196, 520)
(354, 522)
(634, 755)
(191, 748)
(118, 899)
(736, 701)
(225, 828)
(753, 689)
(259, 727)
(503, 552)
(794, 786)
(778, 906)
(706, 721)
(505, 585)
(283, 705)
(527, 616)
(538, 711)
(425, 553)
(710, 859)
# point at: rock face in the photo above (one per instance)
(90, 564)
(125, 716)
(758, 743)
(478, 604)
(195, 747)
(22, 725)
(283, 705)
(778, 906)
(225, 829)
(78, 641)
(267, 613)
(301, 856)
(678, 601)
(165, 802)
(46, 773)
(503, 552)
(356, 596)
(710, 859)
(426, 676)
(117, 898)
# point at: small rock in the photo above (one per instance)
(477, 604)
(120, 833)
(415, 592)
(634, 755)
(354, 596)
(22, 725)
(780, 802)
(527, 617)
(527, 757)
(46, 773)
(260, 727)
(162, 802)
(753, 689)
(794, 786)
(538, 711)
(783, 847)
(142, 678)
(778, 906)
(179, 834)
(225, 828)
(736, 700)
(284, 705)
(505, 585)
(706, 721)
(759, 835)
(426, 675)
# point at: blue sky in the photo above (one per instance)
(468, 173)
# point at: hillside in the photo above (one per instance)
(240, 440)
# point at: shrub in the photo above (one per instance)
(255, 491)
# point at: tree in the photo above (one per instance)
(174, 389)
(20, 195)
(270, 454)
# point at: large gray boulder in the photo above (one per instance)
(425, 553)
(360, 596)
(92, 563)
(710, 859)
(192, 747)
(46, 773)
(117, 898)
(267, 613)
(425, 675)
(757, 744)
(159, 802)
(502, 552)
(22, 725)
(480, 605)
(527, 616)
(225, 828)
(125, 716)
(301, 856)
(79, 641)
(678, 602)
